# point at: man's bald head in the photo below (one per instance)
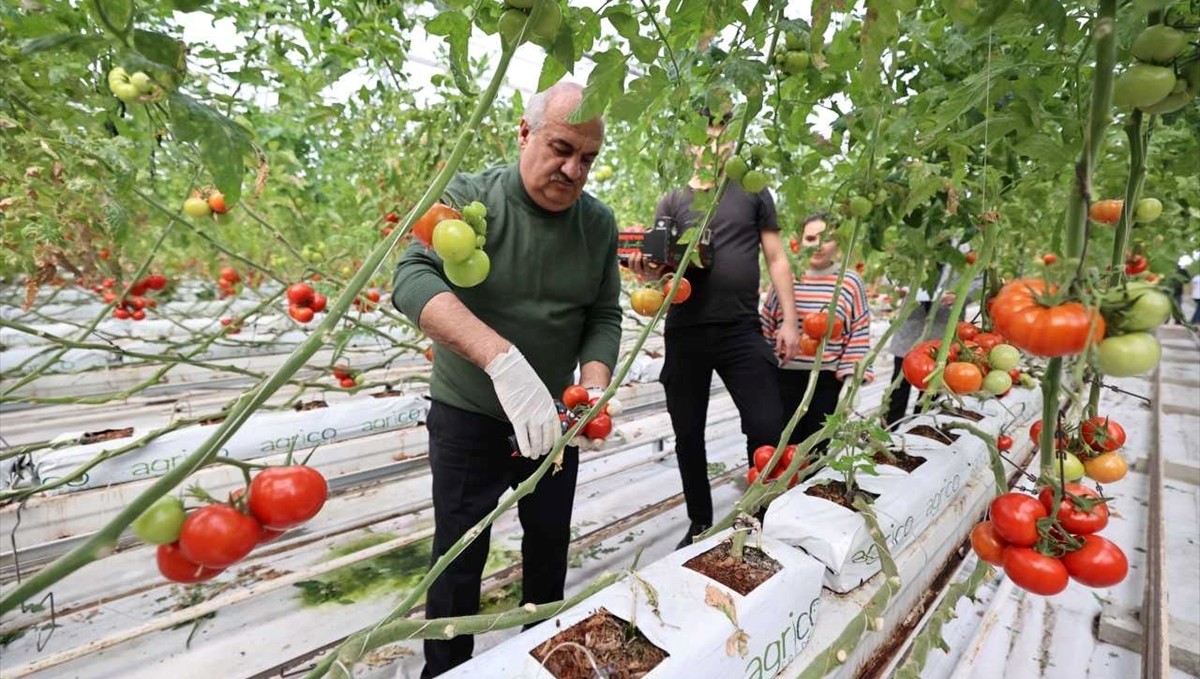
(557, 155)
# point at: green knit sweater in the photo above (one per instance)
(553, 290)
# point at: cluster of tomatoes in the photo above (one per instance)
(1109, 211)
(517, 13)
(197, 545)
(1038, 552)
(575, 402)
(345, 376)
(762, 457)
(136, 88)
(458, 238)
(792, 57)
(977, 362)
(205, 203)
(1151, 83)
(646, 300)
(1132, 311)
(304, 302)
(744, 169)
(392, 220)
(369, 300)
(133, 303)
(814, 326)
(1089, 449)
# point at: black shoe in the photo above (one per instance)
(693, 530)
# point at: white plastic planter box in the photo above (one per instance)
(777, 619)
(264, 434)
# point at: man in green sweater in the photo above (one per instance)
(549, 304)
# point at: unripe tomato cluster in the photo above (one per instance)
(458, 238)
(1161, 79)
(132, 305)
(792, 57)
(745, 169)
(1040, 553)
(198, 545)
(138, 88)
(1132, 311)
(544, 17)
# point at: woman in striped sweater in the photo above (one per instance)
(812, 294)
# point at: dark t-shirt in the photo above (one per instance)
(728, 291)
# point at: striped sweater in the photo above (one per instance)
(812, 293)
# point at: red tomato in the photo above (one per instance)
(685, 289)
(1136, 264)
(216, 202)
(230, 275)
(1049, 258)
(1035, 433)
(574, 395)
(988, 340)
(300, 294)
(599, 427)
(808, 345)
(967, 331)
(217, 536)
(919, 362)
(269, 535)
(175, 567)
(972, 257)
(794, 244)
(817, 323)
(318, 302)
(139, 288)
(987, 543)
(302, 314)
(592, 403)
(752, 475)
(1004, 442)
(1071, 514)
(347, 383)
(1102, 434)
(1049, 331)
(341, 371)
(120, 314)
(285, 497)
(1015, 516)
(392, 218)
(423, 229)
(138, 315)
(762, 455)
(1099, 563)
(1035, 572)
(1106, 211)
(963, 378)
(373, 294)
(789, 454)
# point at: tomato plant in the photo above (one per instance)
(217, 536)
(285, 497)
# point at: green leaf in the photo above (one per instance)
(563, 49)
(456, 28)
(921, 191)
(161, 49)
(115, 15)
(990, 11)
(605, 83)
(189, 5)
(645, 49)
(640, 95)
(223, 143)
(552, 71)
(67, 42)
(1051, 13)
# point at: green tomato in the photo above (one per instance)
(1128, 355)
(1148, 210)
(1004, 357)
(196, 207)
(795, 40)
(480, 241)
(1072, 468)
(796, 62)
(547, 20)
(126, 92)
(860, 206)
(161, 523)
(453, 240)
(1143, 85)
(754, 181)
(1159, 44)
(473, 211)
(1139, 307)
(603, 173)
(736, 168)
(997, 382)
(142, 82)
(1170, 103)
(510, 25)
(1027, 381)
(471, 271)
(117, 76)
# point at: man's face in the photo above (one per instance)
(556, 159)
(824, 249)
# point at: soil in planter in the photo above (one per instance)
(939, 435)
(311, 405)
(619, 650)
(898, 458)
(743, 576)
(836, 492)
(211, 421)
(963, 413)
(105, 435)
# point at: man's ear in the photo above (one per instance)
(523, 134)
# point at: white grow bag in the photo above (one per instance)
(265, 433)
(777, 618)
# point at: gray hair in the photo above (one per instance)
(535, 110)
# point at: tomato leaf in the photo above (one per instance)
(990, 11)
(640, 95)
(456, 28)
(116, 15)
(605, 83)
(645, 49)
(1052, 13)
(223, 143)
(188, 5)
(67, 42)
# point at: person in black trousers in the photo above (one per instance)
(717, 328)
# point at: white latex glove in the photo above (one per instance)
(527, 403)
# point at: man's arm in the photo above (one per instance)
(787, 341)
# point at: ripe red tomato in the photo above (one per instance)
(266, 535)
(1035, 433)
(972, 257)
(392, 218)
(1015, 516)
(987, 543)
(1106, 211)
(120, 314)
(967, 331)
(300, 294)
(1049, 331)
(789, 454)
(285, 497)
(318, 302)
(1004, 442)
(139, 288)
(301, 314)
(1102, 434)
(423, 229)
(138, 315)
(808, 345)
(752, 475)
(341, 371)
(988, 340)
(1049, 258)
(794, 244)
(599, 427)
(762, 455)
(574, 395)
(1136, 264)
(919, 362)
(216, 202)
(230, 274)
(1072, 516)
(1035, 572)
(685, 289)
(373, 295)
(963, 378)
(1099, 563)
(104, 254)
(347, 383)
(175, 567)
(217, 536)
(817, 323)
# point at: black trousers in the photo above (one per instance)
(740, 354)
(792, 384)
(898, 404)
(472, 467)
